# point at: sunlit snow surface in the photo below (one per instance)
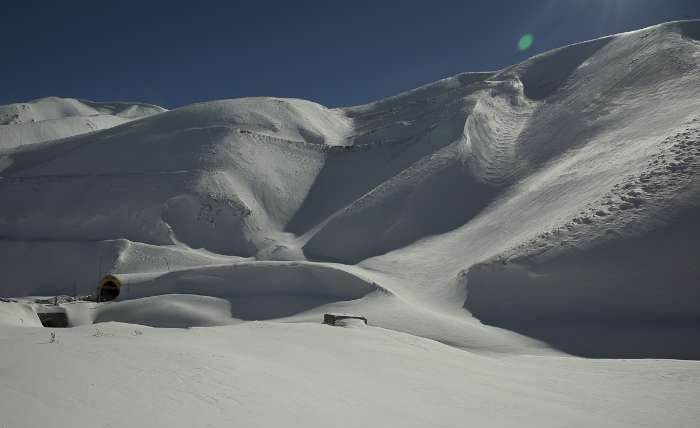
(492, 227)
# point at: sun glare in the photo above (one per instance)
(525, 42)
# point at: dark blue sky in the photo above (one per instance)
(335, 52)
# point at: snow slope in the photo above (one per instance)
(264, 374)
(484, 193)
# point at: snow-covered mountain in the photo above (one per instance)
(487, 225)
(47, 119)
(556, 198)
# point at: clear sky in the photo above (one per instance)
(345, 52)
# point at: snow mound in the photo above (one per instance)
(172, 311)
(257, 290)
(18, 314)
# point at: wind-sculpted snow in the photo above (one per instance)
(634, 297)
(543, 75)
(626, 263)
(556, 192)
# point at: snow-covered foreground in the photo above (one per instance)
(490, 226)
(264, 374)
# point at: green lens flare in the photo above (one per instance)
(525, 42)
